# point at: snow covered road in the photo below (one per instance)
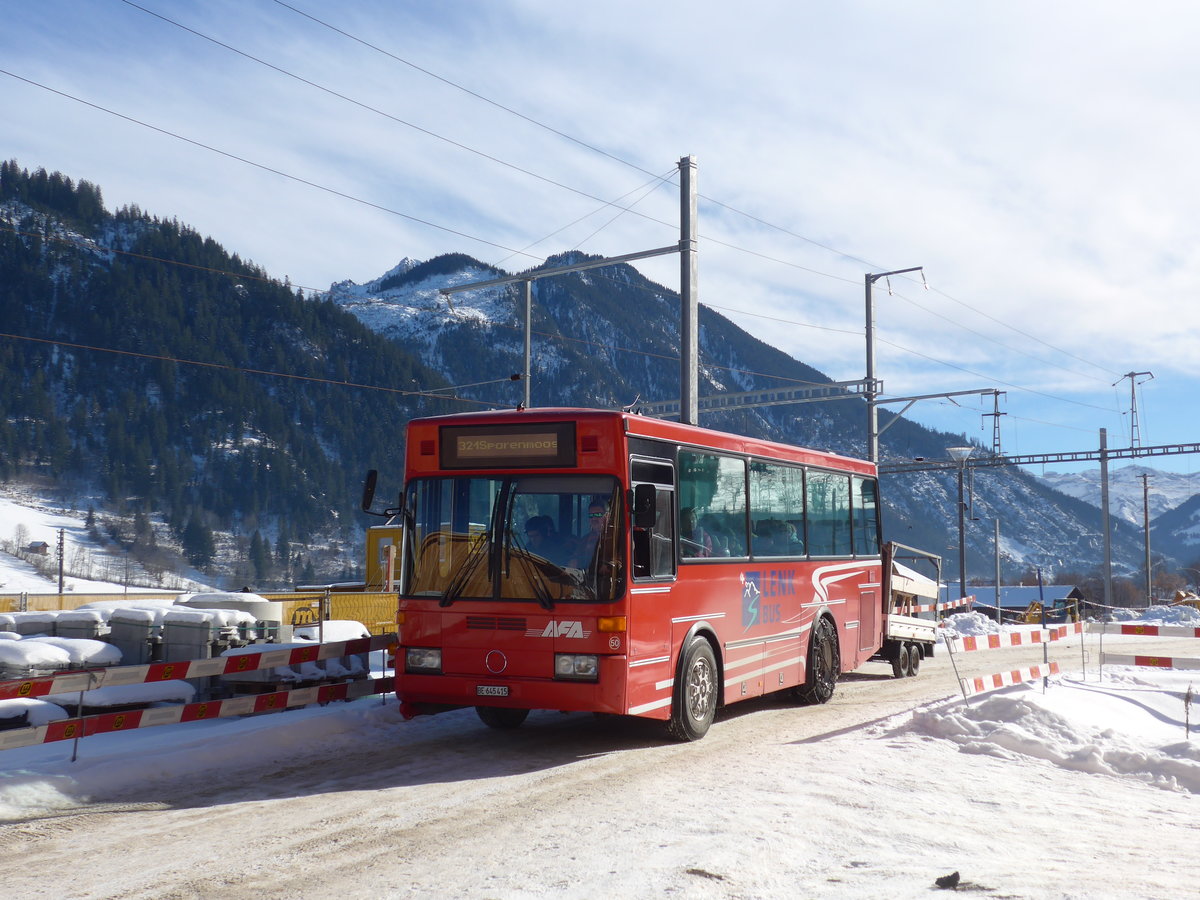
(853, 799)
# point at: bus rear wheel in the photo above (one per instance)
(694, 705)
(902, 662)
(501, 716)
(824, 664)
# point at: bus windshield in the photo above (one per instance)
(541, 538)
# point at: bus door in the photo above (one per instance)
(653, 564)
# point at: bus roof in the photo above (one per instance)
(636, 425)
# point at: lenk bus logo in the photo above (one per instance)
(756, 586)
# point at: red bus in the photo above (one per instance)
(591, 560)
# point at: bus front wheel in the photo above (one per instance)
(824, 664)
(501, 716)
(694, 705)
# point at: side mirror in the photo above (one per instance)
(368, 494)
(644, 508)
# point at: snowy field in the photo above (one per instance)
(35, 520)
(1086, 788)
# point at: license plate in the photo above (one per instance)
(491, 690)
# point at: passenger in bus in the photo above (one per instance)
(720, 536)
(544, 541)
(774, 537)
(694, 541)
(585, 549)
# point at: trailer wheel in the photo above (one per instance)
(501, 716)
(824, 664)
(914, 659)
(694, 705)
(902, 662)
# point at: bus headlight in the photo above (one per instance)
(427, 660)
(576, 666)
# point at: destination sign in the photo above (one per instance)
(550, 444)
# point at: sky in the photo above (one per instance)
(1036, 160)
(1084, 786)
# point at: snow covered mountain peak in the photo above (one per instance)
(1167, 490)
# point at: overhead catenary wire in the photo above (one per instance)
(84, 244)
(511, 250)
(583, 193)
(751, 217)
(380, 112)
(264, 167)
(160, 357)
(778, 319)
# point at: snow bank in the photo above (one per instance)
(213, 618)
(32, 654)
(334, 630)
(971, 624)
(130, 694)
(82, 652)
(110, 606)
(1127, 726)
(39, 712)
(1170, 615)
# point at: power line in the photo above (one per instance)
(979, 375)
(1021, 332)
(82, 244)
(248, 371)
(376, 110)
(657, 181)
(267, 168)
(577, 191)
(466, 90)
(992, 340)
(642, 352)
(757, 219)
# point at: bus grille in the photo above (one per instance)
(495, 623)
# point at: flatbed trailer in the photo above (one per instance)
(908, 638)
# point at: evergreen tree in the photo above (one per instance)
(198, 544)
(259, 557)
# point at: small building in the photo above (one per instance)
(1015, 598)
(41, 548)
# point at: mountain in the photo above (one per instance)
(607, 336)
(137, 378)
(209, 410)
(1176, 534)
(1168, 490)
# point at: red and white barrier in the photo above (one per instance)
(1154, 662)
(1011, 638)
(1004, 679)
(909, 609)
(1149, 630)
(107, 723)
(245, 660)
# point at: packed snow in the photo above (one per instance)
(1083, 787)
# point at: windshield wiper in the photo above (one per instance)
(459, 582)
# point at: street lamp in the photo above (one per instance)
(959, 455)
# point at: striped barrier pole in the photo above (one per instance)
(1012, 638)
(912, 608)
(1150, 630)
(108, 723)
(1004, 679)
(243, 660)
(1152, 662)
